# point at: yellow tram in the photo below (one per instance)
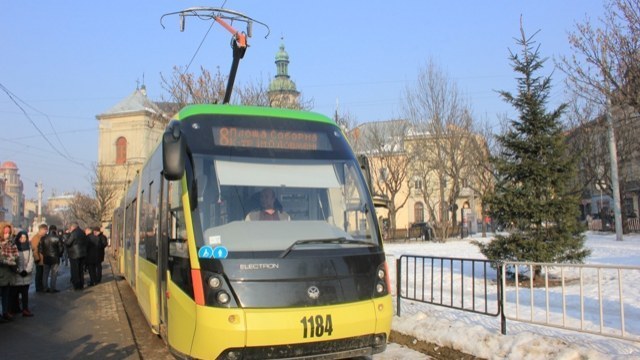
(304, 278)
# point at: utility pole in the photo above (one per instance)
(40, 191)
(613, 157)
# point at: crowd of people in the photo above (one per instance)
(24, 261)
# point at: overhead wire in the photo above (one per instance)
(202, 42)
(199, 46)
(15, 99)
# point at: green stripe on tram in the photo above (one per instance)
(191, 110)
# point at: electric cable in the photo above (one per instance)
(13, 98)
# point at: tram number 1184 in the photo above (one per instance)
(316, 326)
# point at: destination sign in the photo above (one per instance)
(269, 139)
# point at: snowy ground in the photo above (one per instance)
(479, 335)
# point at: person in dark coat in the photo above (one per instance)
(76, 244)
(51, 249)
(95, 255)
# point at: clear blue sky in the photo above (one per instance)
(73, 60)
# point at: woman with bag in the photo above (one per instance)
(23, 276)
(8, 258)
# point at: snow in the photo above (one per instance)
(479, 335)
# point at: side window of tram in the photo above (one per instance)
(142, 250)
(178, 263)
(149, 224)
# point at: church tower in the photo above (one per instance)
(128, 133)
(282, 90)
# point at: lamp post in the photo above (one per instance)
(601, 185)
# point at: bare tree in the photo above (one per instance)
(586, 140)
(442, 142)
(606, 60)
(206, 88)
(94, 209)
(605, 72)
(384, 144)
(482, 174)
(83, 209)
(253, 94)
(346, 120)
(105, 192)
(187, 88)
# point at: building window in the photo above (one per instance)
(418, 212)
(628, 208)
(417, 184)
(121, 150)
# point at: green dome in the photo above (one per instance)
(282, 54)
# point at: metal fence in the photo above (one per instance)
(596, 299)
(465, 284)
(585, 298)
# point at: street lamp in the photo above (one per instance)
(601, 185)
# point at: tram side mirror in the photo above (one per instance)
(381, 201)
(366, 171)
(174, 152)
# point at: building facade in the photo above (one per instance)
(591, 142)
(127, 134)
(13, 194)
(398, 174)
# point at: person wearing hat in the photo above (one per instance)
(8, 262)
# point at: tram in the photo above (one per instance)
(218, 283)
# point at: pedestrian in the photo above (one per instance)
(51, 249)
(65, 255)
(35, 243)
(87, 232)
(8, 266)
(95, 255)
(23, 275)
(77, 249)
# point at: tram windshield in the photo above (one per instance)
(267, 204)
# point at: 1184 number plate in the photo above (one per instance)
(316, 326)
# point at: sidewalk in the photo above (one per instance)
(87, 324)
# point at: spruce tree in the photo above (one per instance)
(533, 193)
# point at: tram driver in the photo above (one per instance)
(270, 208)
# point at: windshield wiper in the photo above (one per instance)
(340, 240)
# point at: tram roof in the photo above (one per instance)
(226, 109)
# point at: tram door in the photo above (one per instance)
(130, 245)
(163, 249)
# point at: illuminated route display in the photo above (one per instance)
(270, 139)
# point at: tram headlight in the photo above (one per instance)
(214, 282)
(382, 280)
(223, 297)
(217, 291)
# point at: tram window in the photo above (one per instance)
(142, 249)
(356, 215)
(179, 265)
